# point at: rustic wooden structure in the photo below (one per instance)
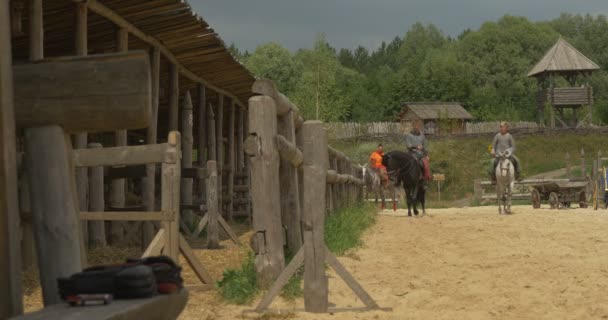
(565, 62)
(121, 66)
(290, 164)
(438, 117)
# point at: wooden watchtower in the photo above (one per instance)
(563, 83)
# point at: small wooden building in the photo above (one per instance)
(438, 117)
(565, 62)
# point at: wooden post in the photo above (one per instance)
(231, 160)
(202, 137)
(265, 196)
(170, 185)
(28, 244)
(240, 154)
(173, 97)
(315, 175)
(288, 175)
(54, 212)
(568, 166)
(80, 139)
(11, 295)
(583, 168)
(213, 234)
(187, 145)
(117, 188)
(149, 185)
(97, 230)
(219, 135)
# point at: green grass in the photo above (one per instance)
(343, 231)
(463, 160)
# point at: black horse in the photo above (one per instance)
(405, 169)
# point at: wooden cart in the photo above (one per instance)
(561, 194)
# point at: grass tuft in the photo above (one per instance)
(343, 229)
(239, 286)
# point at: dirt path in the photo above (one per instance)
(468, 264)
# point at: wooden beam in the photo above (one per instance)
(282, 280)
(187, 117)
(349, 280)
(173, 98)
(11, 295)
(196, 265)
(219, 135)
(231, 158)
(97, 229)
(170, 194)
(156, 245)
(126, 216)
(288, 151)
(266, 204)
(313, 215)
(267, 87)
(213, 208)
(119, 156)
(36, 31)
(107, 13)
(86, 93)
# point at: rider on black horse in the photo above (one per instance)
(504, 142)
(416, 145)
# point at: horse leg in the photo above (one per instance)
(392, 188)
(415, 200)
(422, 199)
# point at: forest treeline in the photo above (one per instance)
(485, 69)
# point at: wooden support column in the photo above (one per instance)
(97, 230)
(288, 175)
(187, 145)
(170, 185)
(80, 139)
(219, 135)
(583, 168)
(240, 153)
(265, 196)
(173, 97)
(231, 160)
(11, 295)
(118, 186)
(202, 137)
(315, 175)
(149, 185)
(213, 228)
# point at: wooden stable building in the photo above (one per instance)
(563, 84)
(438, 117)
(117, 79)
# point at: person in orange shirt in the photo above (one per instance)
(375, 162)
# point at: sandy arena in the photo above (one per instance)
(466, 263)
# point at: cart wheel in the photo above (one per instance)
(582, 200)
(554, 200)
(535, 197)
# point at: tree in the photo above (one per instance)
(274, 62)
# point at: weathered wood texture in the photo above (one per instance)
(55, 215)
(291, 157)
(10, 268)
(202, 136)
(170, 194)
(231, 160)
(219, 135)
(213, 235)
(173, 97)
(314, 174)
(118, 156)
(161, 307)
(149, 184)
(97, 230)
(84, 93)
(282, 280)
(187, 146)
(268, 237)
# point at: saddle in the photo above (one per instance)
(136, 278)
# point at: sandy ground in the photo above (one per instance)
(467, 263)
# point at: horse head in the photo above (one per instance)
(504, 164)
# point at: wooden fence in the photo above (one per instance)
(298, 178)
(486, 127)
(346, 130)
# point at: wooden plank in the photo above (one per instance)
(104, 11)
(127, 215)
(84, 93)
(282, 280)
(291, 158)
(121, 173)
(170, 194)
(266, 204)
(231, 159)
(156, 245)
(349, 280)
(11, 295)
(219, 135)
(240, 152)
(213, 211)
(267, 87)
(202, 138)
(160, 307)
(54, 211)
(201, 225)
(97, 230)
(149, 185)
(313, 215)
(173, 97)
(200, 287)
(116, 156)
(228, 230)
(187, 117)
(196, 265)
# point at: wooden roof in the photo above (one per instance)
(435, 110)
(183, 34)
(563, 57)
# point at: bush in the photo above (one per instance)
(239, 285)
(343, 229)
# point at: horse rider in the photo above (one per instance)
(503, 142)
(375, 162)
(416, 144)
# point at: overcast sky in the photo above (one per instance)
(349, 23)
